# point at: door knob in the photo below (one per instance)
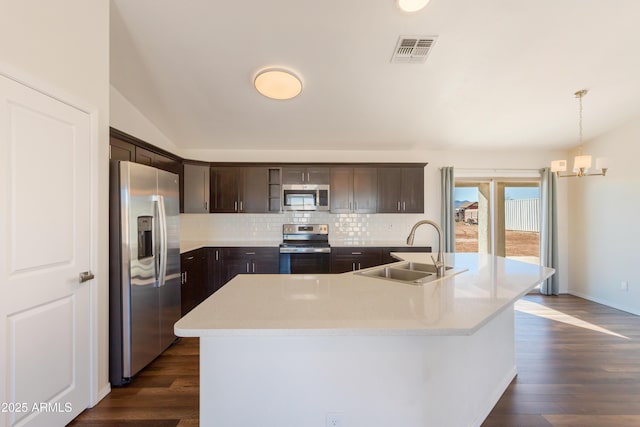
(85, 276)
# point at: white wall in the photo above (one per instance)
(62, 48)
(604, 231)
(126, 117)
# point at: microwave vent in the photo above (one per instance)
(412, 49)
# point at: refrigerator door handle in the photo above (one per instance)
(162, 217)
(157, 249)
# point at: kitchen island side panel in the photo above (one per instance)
(375, 381)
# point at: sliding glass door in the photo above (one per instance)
(498, 216)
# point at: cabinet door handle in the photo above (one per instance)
(217, 255)
(356, 253)
(249, 253)
(253, 267)
(235, 206)
(247, 267)
(308, 178)
(353, 266)
(206, 206)
(398, 205)
(190, 258)
(241, 206)
(359, 266)
(404, 206)
(302, 176)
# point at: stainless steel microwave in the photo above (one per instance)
(305, 197)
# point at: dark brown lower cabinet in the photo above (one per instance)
(216, 270)
(250, 260)
(344, 259)
(386, 252)
(194, 278)
(353, 258)
(206, 270)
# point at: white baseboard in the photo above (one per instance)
(604, 302)
(102, 393)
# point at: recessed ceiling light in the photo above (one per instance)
(277, 83)
(411, 5)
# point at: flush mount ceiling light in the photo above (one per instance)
(411, 5)
(277, 83)
(581, 163)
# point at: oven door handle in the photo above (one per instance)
(305, 250)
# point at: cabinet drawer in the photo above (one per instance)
(251, 252)
(355, 251)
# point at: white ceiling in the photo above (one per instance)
(502, 73)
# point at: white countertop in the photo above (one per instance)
(353, 304)
(189, 245)
(371, 243)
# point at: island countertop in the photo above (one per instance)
(354, 304)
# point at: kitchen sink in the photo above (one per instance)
(418, 266)
(411, 273)
(399, 274)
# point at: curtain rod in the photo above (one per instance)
(497, 169)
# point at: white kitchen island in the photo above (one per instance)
(298, 350)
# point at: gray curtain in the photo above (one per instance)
(448, 209)
(549, 230)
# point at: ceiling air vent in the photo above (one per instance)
(413, 49)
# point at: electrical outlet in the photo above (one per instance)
(334, 419)
(624, 285)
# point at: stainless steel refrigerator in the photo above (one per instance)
(144, 266)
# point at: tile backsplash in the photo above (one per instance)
(351, 228)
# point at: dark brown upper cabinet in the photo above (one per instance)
(306, 175)
(225, 185)
(129, 148)
(196, 188)
(157, 160)
(239, 189)
(256, 187)
(401, 190)
(354, 189)
(121, 150)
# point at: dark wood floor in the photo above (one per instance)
(164, 394)
(571, 375)
(568, 374)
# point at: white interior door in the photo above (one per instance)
(45, 183)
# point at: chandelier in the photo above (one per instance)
(581, 163)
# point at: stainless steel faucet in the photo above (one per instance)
(439, 263)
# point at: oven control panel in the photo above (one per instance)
(305, 229)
